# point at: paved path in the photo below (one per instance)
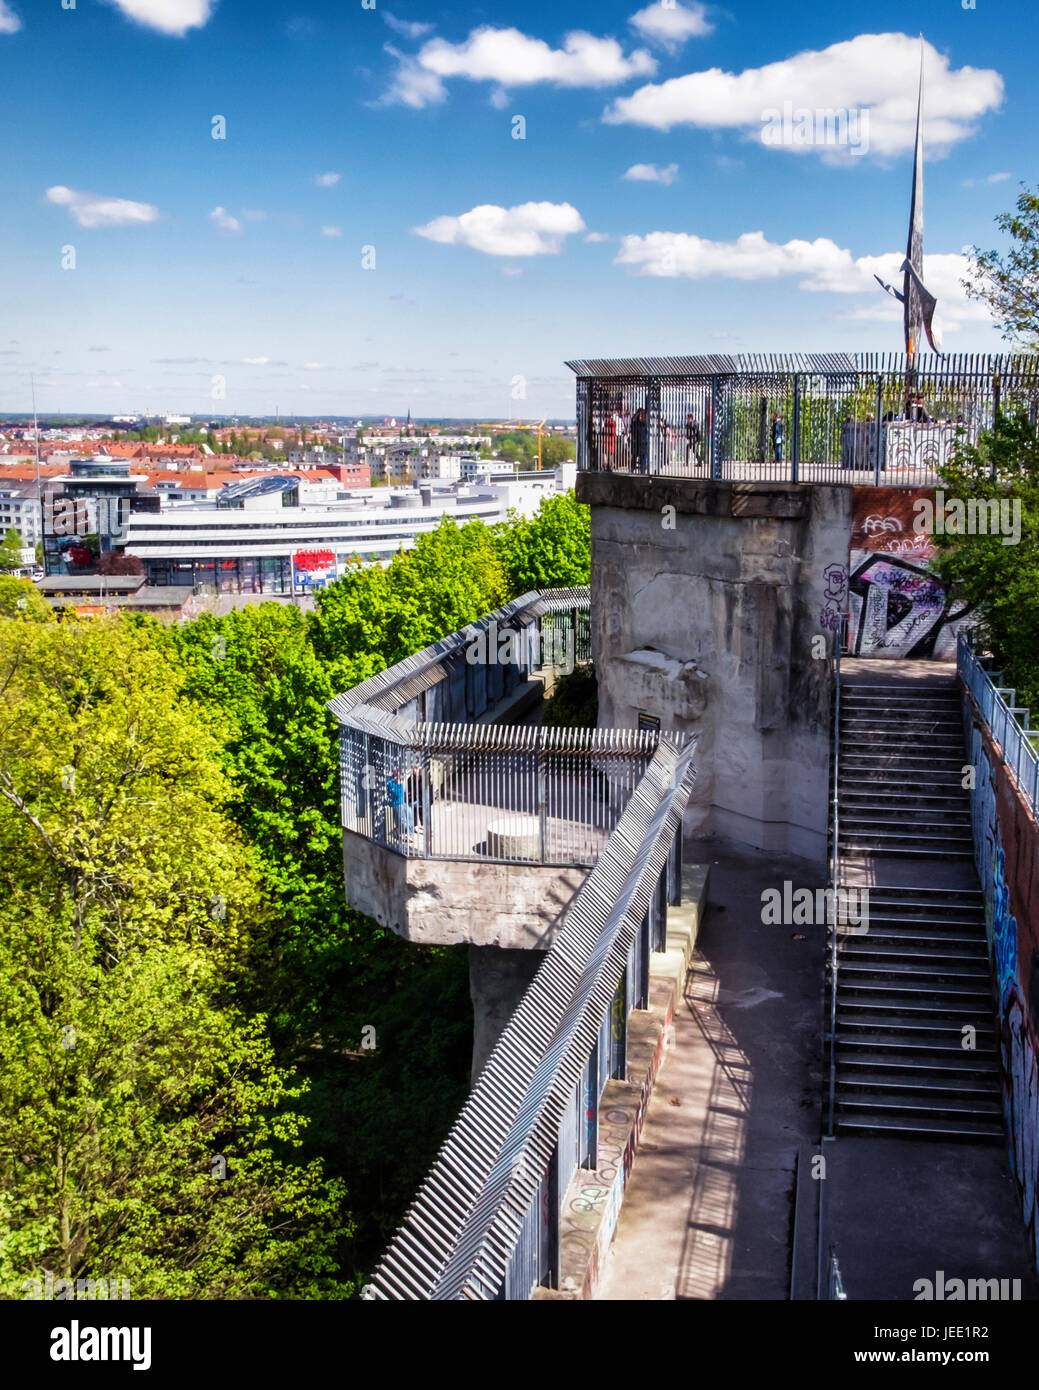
(708, 1208)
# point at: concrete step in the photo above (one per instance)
(885, 990)
(873, 947)
(889, 1050)
(889, 1083)
(922, 1106)
(966, 1130)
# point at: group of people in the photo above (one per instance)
(622, 440)
(404, 795)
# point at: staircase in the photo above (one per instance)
(901, 770)
(909, 986)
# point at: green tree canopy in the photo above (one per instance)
(145, 1126)
(1009, 282)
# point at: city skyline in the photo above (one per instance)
(368, 234)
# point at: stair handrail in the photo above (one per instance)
(834, 831)
(1017, 751)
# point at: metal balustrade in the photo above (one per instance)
(1000, 715)
(808, 417)
(502, 1167)
(420, 775)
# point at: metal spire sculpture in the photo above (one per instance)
(918, 304)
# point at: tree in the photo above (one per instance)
(118, 562)
(147, 1132)
(550, 550)
(1000, 581)
(11, 550)
(555, 449)
(1009, 283)
(20, 598)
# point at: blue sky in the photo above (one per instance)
(658, 203)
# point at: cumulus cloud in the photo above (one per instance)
(168, 16)
(95, 210)
(9, 21)
(874, 73)
(513, 59)
(407, 28)
(652, 173)
(327, 180)
(672, 26)
(597, 236)
(221, 218)
(819, 266)
(412, 85)
(529, 229)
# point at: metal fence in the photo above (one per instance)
(797, 418)
(476, 1230)
(424, 772)
(513, 793)
(1007, 723)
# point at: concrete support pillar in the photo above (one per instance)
(498, 978)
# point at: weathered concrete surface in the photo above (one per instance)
(708, 1210)
(897, 1211)
(498, 980)
(706, 598)
(448, 902)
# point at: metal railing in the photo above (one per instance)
(1007, 724)
(458, 1237)
(423, 772)
(834, 876)
(853, 418)
(512, 793)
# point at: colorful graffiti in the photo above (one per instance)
(897, 605)
(999, 818)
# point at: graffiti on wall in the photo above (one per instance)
(897, 605)
(1018, 1041)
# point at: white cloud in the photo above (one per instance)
(315, 367)
(331, 231)
(499, 98)
(327, 180)
(672, 26)
(408, 28)
(412, 85)
(255, 361)
(991, 178)
(597, 236)
(820, 266)
(95, 210)
(874, 73)
(221, 218)
(168, 16)
(652, 173)
(9, 21)
(513, 59)
(530, 229)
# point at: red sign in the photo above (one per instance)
(314, 559)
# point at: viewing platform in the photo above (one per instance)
(885, 419)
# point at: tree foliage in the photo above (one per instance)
(997, 579)
(1009, 282)
(146, 1131)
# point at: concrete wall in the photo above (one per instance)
(498, 980)
(437, 902)
(706, 598)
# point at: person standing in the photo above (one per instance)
(640, 440)
(401, 811)
(777, 438)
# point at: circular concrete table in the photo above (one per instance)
(513, 837)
